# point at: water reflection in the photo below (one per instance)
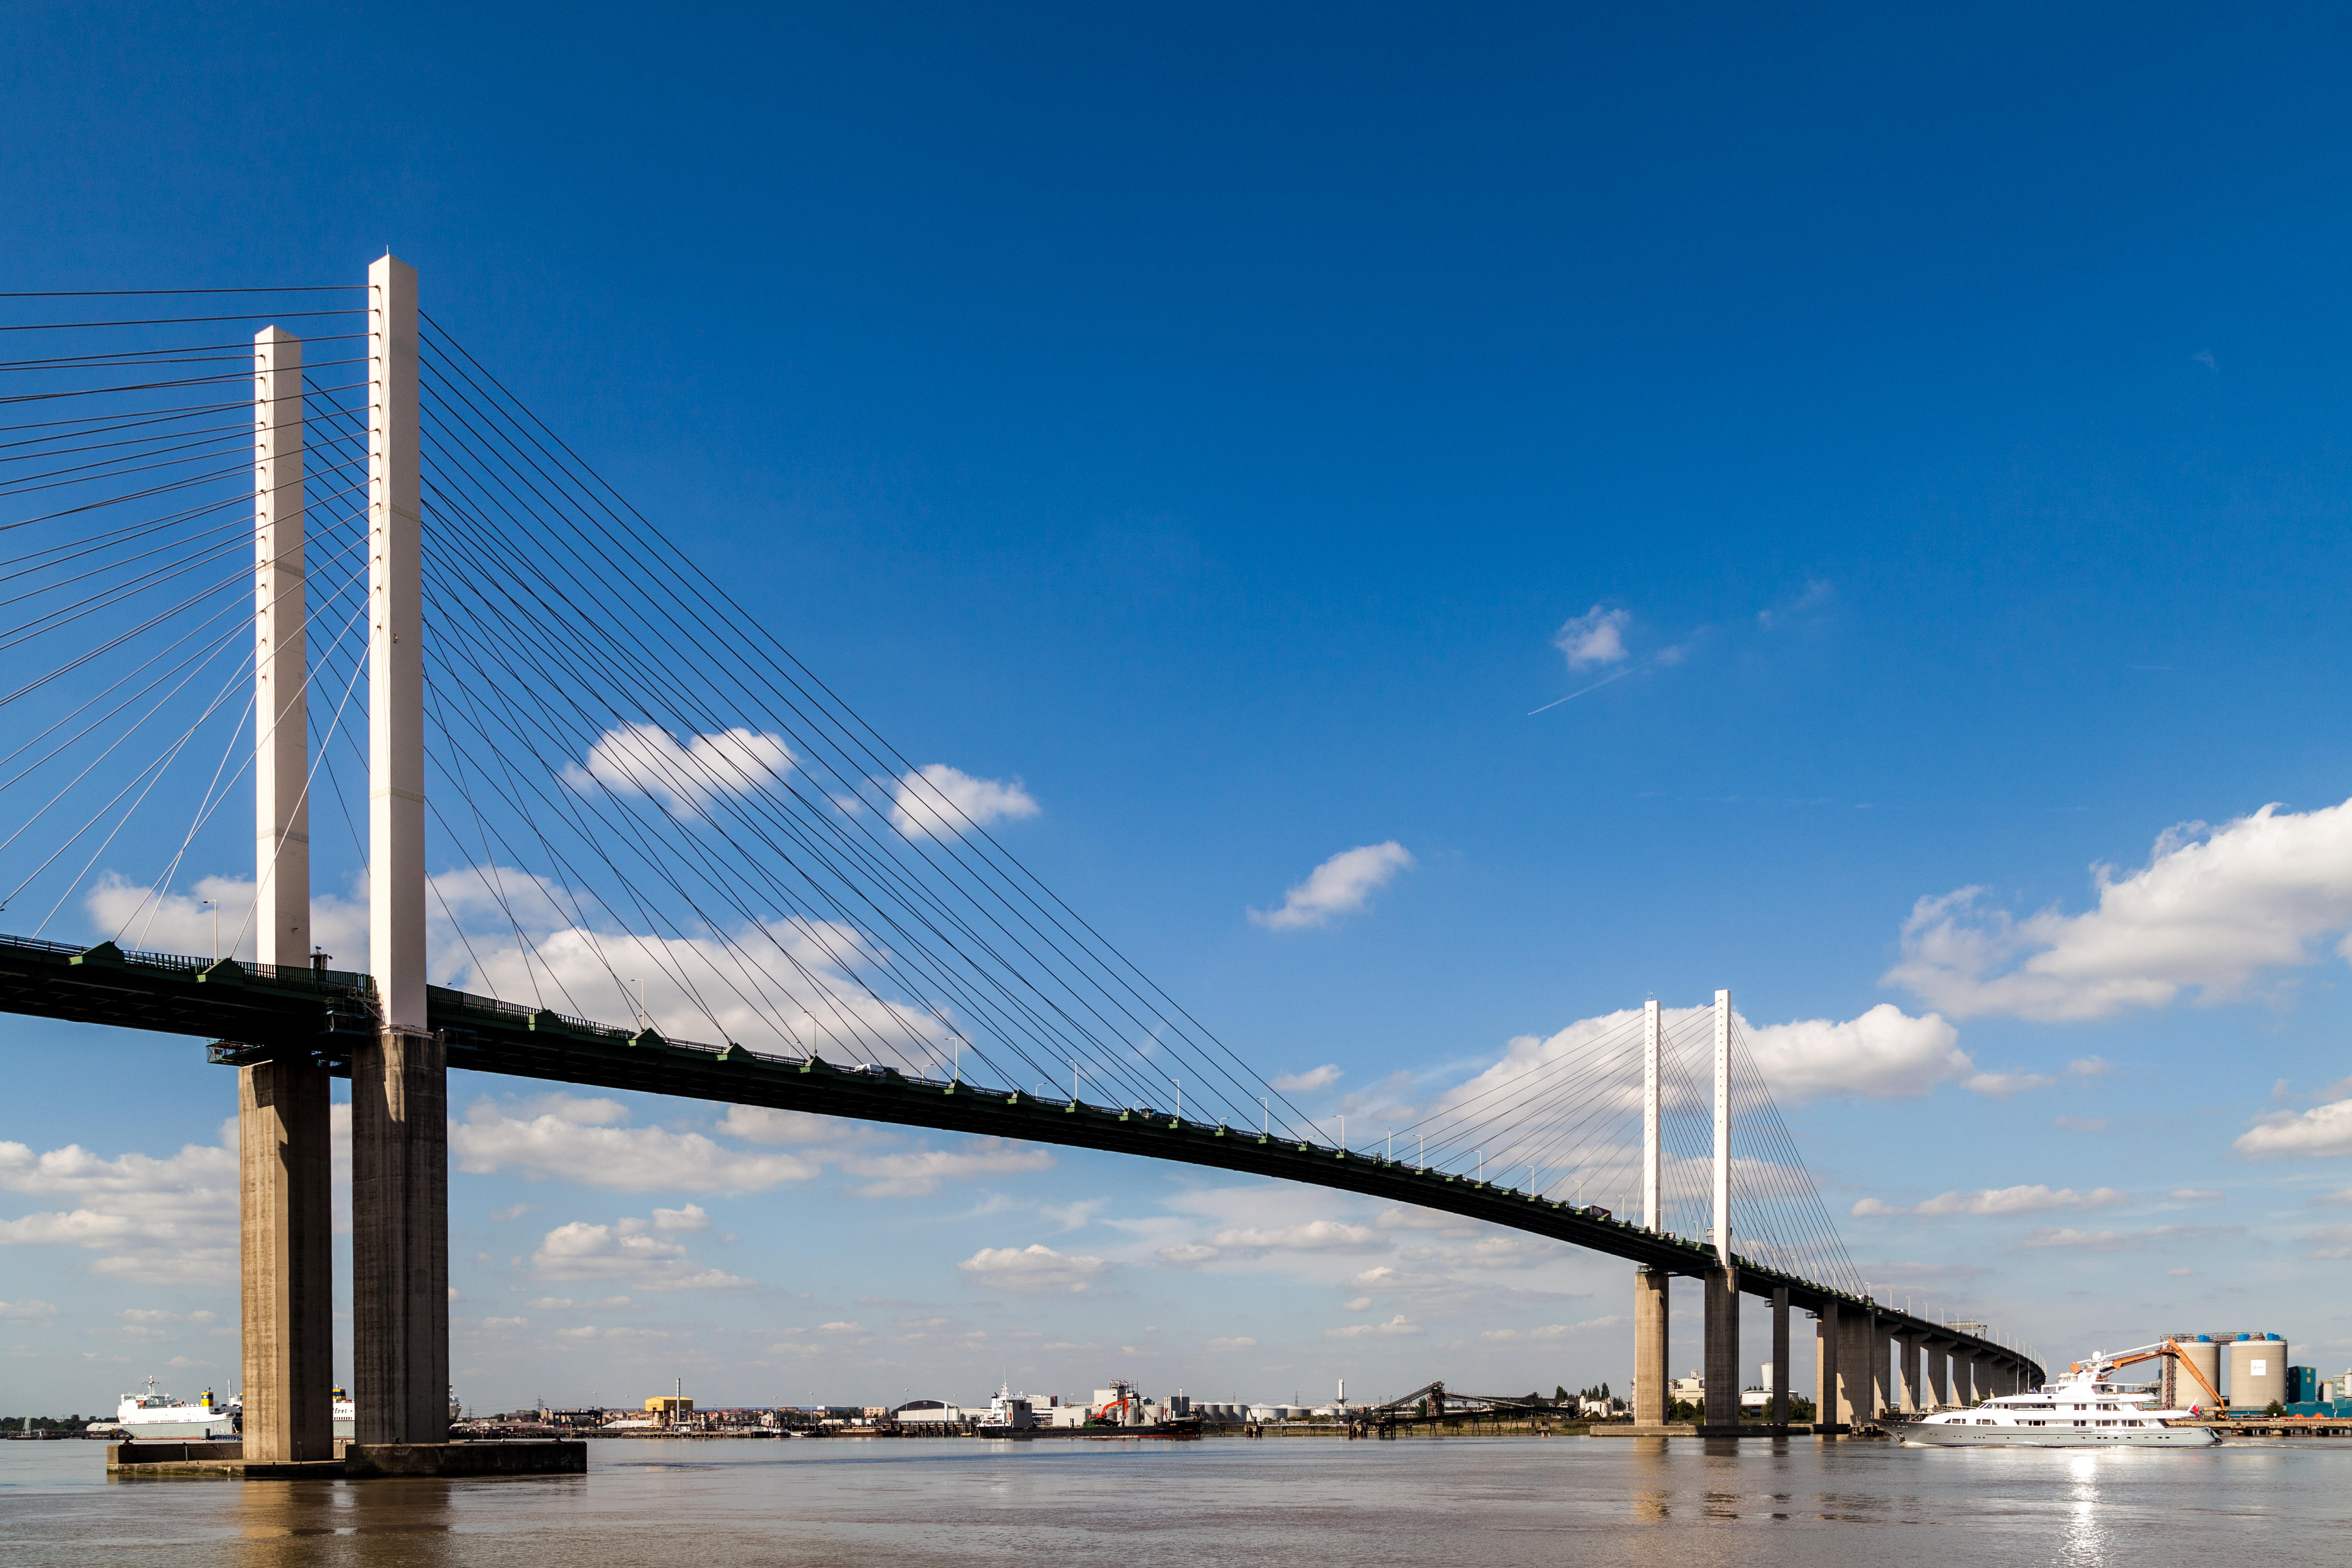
(280, 1510)
(1478, 1503)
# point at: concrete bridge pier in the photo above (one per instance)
(1719, 1358)
(286, 1238)
(1882, 1380)
(400, 1155)
(1828, 1419)
(1855, 1326)
(1776, 1393)
(284, 1214)
(1907, 1371)
(1651, 1301)
(1939, 1387)
(400, 1238)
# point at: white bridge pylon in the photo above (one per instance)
(400, 1249)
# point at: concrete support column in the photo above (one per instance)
(400, 1238)
(1907, 1373)
(1776, 1393)
(396, 957)
(400, 1133)
(1721, 1359)
(1882, 1380)
(1651, 1301)
(1855, 1328)
(1964, 1388)
(1939, 1388)
(285, 1236)
(1826, 1339)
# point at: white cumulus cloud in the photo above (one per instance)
(169, 1220)
(1034, 1271)
(1312, 1236)
(686, 778)
(631, 1250)
(574, 1140)
(1884, 1054)
(940, 802)
(917, 1172)
(2323, 1131)
(1323, 1077)
(2214, 909)
(1400, 1324)
(1339, 885)
(1995, 1202)
(1595, 638)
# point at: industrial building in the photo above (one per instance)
(2248, 1368)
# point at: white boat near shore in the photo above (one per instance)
(154, 1415)
(2082, 1409)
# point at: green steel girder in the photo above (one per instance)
(255, 1012)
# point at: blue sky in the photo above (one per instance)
(1235, 424)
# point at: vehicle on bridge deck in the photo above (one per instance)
(2080, 1410)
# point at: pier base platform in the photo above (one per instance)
(556, 1457)
(354, 1461)
(1643, 1429)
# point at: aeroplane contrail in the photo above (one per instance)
(1596, 685)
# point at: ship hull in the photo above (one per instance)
(221, 1424)
(1926, 1435)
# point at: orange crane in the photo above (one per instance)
(2103, 1364)
(1123, 1400)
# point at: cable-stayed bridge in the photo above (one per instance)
(294, 558)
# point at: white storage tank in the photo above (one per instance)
(2257, 1372)
(2203, 1353)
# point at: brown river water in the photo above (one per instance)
(1459, 1502)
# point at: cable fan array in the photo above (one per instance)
(127, 508)
(1563, 1119)
(639, 802)
(658, 809)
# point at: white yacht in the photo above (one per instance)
(2082, 1409)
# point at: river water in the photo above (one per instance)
(1459, 1502)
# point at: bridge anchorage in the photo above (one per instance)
(715, 842)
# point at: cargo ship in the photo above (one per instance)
(156, 1415)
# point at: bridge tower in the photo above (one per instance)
(400, 1156)
(1720, 1357)
(284, 1233)
(1651, 1293)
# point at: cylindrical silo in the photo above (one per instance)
(2257, 1372)
(2203, 1353)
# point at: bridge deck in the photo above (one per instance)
(255, 1012)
